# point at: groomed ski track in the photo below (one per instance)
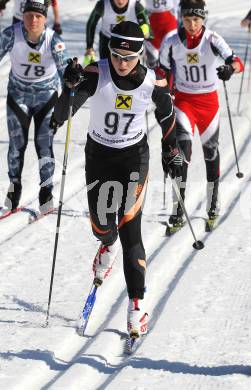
(198, 301)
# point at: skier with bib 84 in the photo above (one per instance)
(117, 154)
(194, 53)
(112, 12)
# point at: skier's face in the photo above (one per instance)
(123, 61)
(120, 3)
(192, 24)
(34, 22)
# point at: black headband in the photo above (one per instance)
(194, 10)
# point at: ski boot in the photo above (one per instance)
(103, 261)
(136, 319)
(211, 222)
(137, 324)
(13, 196)
(213, 205)
(176, 221)
(46, 204)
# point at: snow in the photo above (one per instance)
(199, 301)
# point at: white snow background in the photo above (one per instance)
(199, 301)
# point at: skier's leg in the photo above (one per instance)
(209, 133)
(104, 193)
(18, 120)
(44, 146)
(134, 257)
(185, 129)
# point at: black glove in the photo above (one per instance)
(57, 28)
(224, 72)
(172, 163)
(73, 72)
(54, 124)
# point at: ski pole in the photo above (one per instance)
(242, 76)
(67, 141)
(238, 174)
(147, 123)
(197, 244)
(164, 190)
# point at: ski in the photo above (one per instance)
(37, 215)
(211, 224)
(86, 312)
(5, 213)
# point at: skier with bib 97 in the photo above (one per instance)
(117, 154)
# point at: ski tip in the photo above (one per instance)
(198, 245)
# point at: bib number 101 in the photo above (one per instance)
(195, 73)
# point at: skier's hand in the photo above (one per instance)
(54, 124)
(89, 56)
(57, 28)
(73, 73)
(172, 163)
(224, 72)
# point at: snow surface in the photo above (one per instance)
(199, 301)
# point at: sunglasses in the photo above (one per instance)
(126, 58)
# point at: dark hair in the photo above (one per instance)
(188, 3)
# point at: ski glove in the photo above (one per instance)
(224, 72)
(89, 57)
(57, 28)
(172, 163)
(73, 72)
(54, 124)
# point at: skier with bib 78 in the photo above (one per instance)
(117, 155)
(38, 59)
(194, 52)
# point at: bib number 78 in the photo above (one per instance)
(38, 70)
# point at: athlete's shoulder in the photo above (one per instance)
(172, 40)
(212, 36)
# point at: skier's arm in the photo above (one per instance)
(7, 38)
(59, 54)
(83, 91)
(55, 8)
(165, 58)
(143, 20)
(92, 22)
(165, 115)
(221, 48)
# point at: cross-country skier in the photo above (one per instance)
(163, 24)
(117, 154)
(112, 12)
(37, 57)
(19, 9)
(194, 53)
